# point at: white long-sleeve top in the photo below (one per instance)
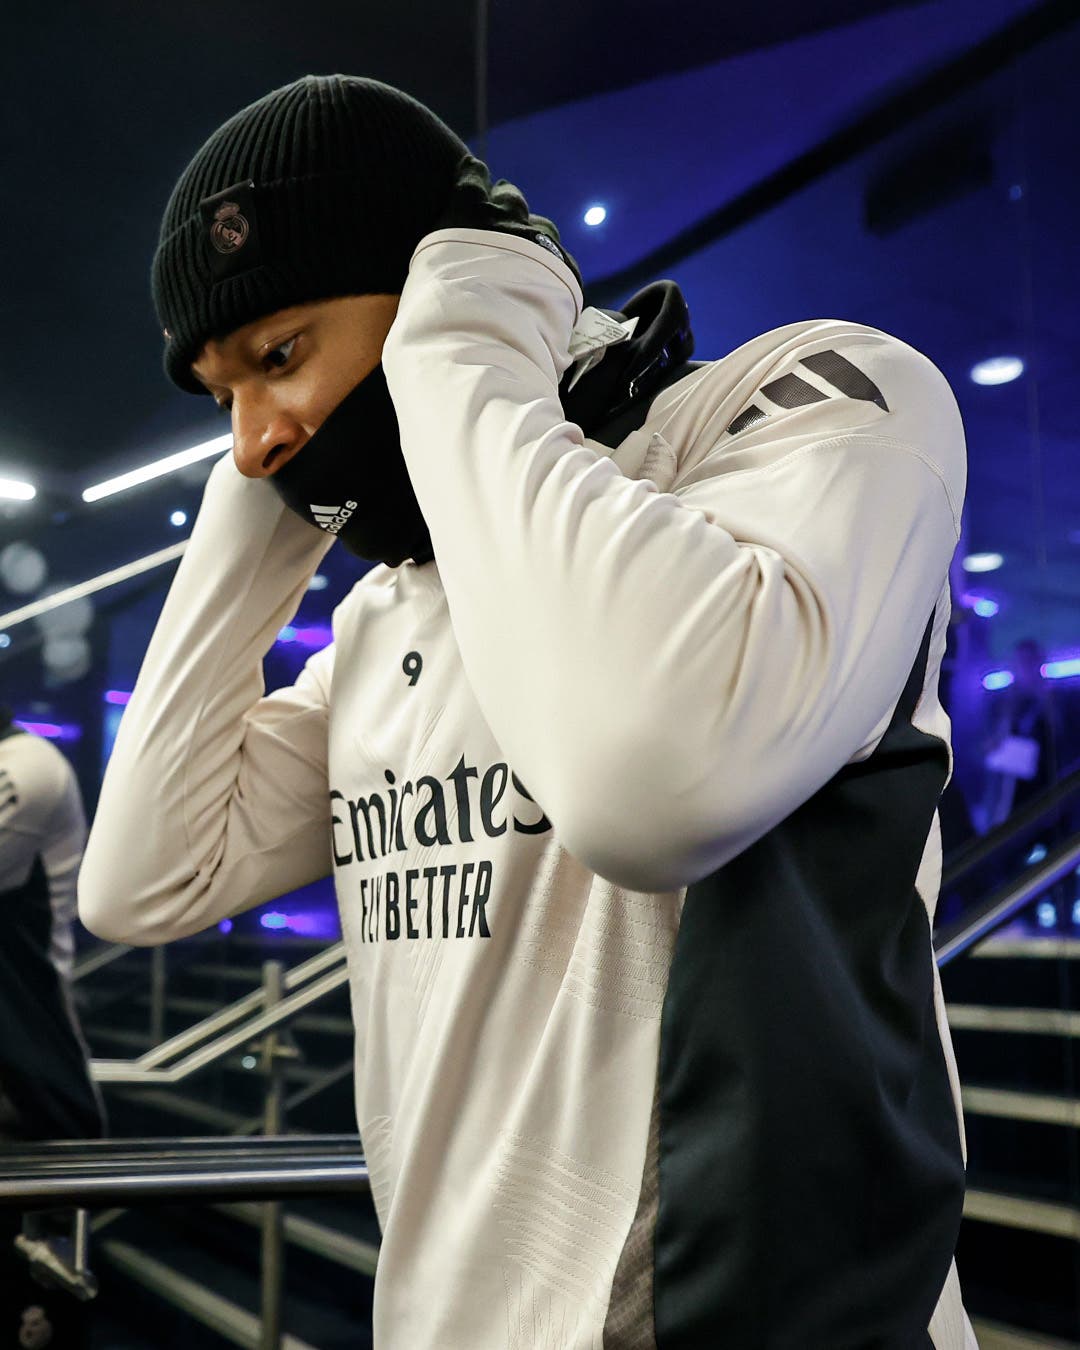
(626, 666)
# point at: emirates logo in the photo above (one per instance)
(230, 229)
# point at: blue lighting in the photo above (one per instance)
(1037, 854)
(178, 518)
(983, 606)
(273, 920)
(5, 639)
(1045, 914)
(225, 926)
(119, 697)
(998, 679)
(318, 582)
(1061, 670)
(596, 215)
(1076, 913)
(287, 634)
(997, 370)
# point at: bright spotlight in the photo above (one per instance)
(997, 370)
(178, 518)
(158, 468)
(596, 215)
(14, 491)
(982, 562)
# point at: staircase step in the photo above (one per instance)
(1028, 972)
(324, 1306)
(317, 1238)
(214, 1311)
(1022, 1021)
(1017, 1144)
(1026, 1050)
(997, 1336)
(1019, 1276)
(1046, 1108)
(1022, 1211)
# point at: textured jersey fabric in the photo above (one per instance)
(686, 680)
(45, 1088)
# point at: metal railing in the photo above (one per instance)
(1007, 901)
(232, 1027)
(193, 1170)
(90, 1174)
(87, 1175)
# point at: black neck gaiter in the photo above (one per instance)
(350, 479)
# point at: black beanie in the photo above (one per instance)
(320, 189)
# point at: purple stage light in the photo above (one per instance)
(118, 696)
(52, 731)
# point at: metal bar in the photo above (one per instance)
(304, 1094)
(329, 1243)
(222, 1149)
(235, 1012)
(82, 1242)
(95, 961)
(36, 1190)
(1005, 902)
(272, 1244)
(133, 1071)
(157, 995)
(965, 859)
(227, 1319)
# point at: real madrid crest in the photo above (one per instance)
(231, 224)
(229, 229)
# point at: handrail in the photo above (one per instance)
(98, 1173)
(225, 1017)
(1006, 901)
(134, 1071)
(106, 954)
(976, 851)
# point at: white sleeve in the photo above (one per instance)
(215, 797)
(670, 674)
(32, 784)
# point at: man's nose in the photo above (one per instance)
(264, 441)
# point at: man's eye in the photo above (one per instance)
(279, 356)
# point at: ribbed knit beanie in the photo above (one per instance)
(322, 188)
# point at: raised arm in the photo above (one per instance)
(215, 797)
(674, 672)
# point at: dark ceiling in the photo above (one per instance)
(107, 101)
(781, 160)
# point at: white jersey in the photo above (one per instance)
(630, 802)
(45, 1087)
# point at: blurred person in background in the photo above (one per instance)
(1020, 748)
(46, 1091)
(625, 759)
